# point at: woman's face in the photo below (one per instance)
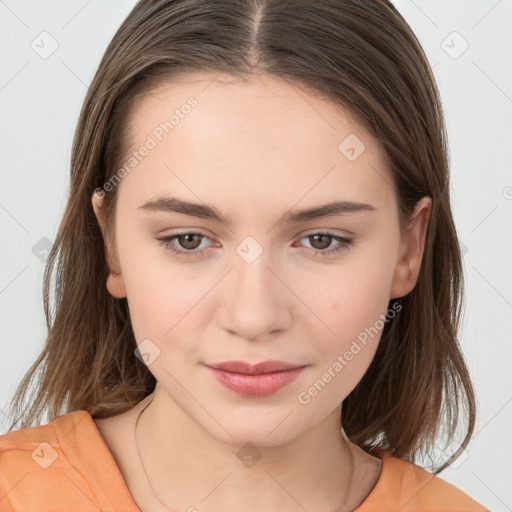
(265, 156)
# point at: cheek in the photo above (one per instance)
(169, 304)
(352, 309)
(158, 297)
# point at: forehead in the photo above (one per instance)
(255, 134)
(260, 105)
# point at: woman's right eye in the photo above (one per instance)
(188, 242)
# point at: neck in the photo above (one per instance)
(187, 467)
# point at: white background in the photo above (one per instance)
(40, 101)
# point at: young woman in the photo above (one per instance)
(257, 278)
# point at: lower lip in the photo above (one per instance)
(256, 385)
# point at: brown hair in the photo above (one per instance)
(362, 55)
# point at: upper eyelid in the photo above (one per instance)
(346, 234)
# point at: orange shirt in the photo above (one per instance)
(66, 466)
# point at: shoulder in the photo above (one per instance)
(42, 446)
(38, 465)
(407, 487)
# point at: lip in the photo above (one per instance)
(259, 379)
(268, 366)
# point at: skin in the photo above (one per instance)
(255, 150)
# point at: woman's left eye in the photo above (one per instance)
(320, 239)
(188, 242)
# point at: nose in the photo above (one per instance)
(256, 304)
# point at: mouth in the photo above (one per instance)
(259, 379)
(269, 366)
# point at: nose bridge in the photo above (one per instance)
(252, 276)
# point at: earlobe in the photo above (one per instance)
(408, 265)
(115, 282)
(115, 286)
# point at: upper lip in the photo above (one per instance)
(268, 366)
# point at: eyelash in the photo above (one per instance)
(344, 244)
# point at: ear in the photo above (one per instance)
(115, 282)
(408, 264)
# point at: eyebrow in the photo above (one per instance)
(203, 211)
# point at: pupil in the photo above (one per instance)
(188, 241)
(326, 244)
